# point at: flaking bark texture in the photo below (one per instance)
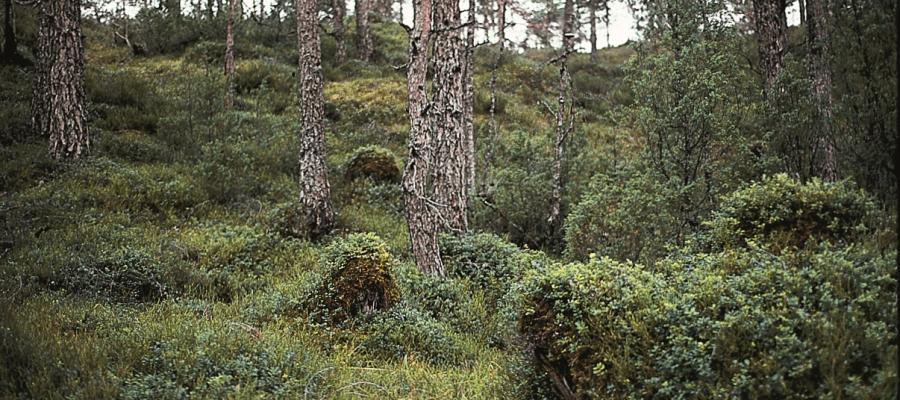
(818, 40)
(363, 36)
(447, 117)
(420, 213)
(58, 103)
(771, 34)
(231, 88)
(315, 193)
(339, 8)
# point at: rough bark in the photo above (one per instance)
(818, 41)
(315, 193)
(339, 8)
(802, 5)
(230, 88)
(771, 34)
(40, 88)
(448, 118)
(363, 36)
(58, 105)
(469, 82)
(420, 216)
(563, 114)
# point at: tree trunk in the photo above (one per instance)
(494, 126)
(592, 18)
(771, 35)
(58, 104)
(563, 122)
(231, 89)
(818, 39)
(363, 36)
(420, 215)
(10, 46)
(802, 5)
(315, 193)
(448, 118)
(469, 73)
(339, 8)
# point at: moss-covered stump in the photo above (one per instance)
(358, 281)
(375, 163)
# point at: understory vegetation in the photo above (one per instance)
(168, 264)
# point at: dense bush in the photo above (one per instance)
(405, 332)
(375, 163)
(483, 258)
(126, 276)
(781, 212)
(130, 146)
(621, 217)
(359, 280)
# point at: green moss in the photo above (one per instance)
(375, 163)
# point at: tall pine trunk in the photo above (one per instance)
(818, 38)
(771, 34)
(469, 81)
(592, 21)
(363, 36)
(230, 88)
(563, 121)
(420, 213)
(339, 7)
(58, 103)
(10, 45)
(315, 193)
(494, 125)
(448, 118)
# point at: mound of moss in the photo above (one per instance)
(358, 281)
(375, 163)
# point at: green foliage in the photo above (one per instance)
(375, 163)
(126, 276)
(622, 217)
(483, 258)
(359, 280)
(779, 212)
(121, 99)
(404, 333)
(130, 145)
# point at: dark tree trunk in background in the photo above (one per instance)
(58, 105)
(563, 114)
(420, 212)
(230, 89)
(802, 5)
(771, 34)
(494, 126)
(818, 26)
(10, 45)
(592, 21)
(339, 7)
(363, 36)
(315, 193)
(469, 81)
(448, 118)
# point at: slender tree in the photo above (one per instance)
(495, 66)
(363, 36)
(339, 11)
(469, 82)
(420, 212)
(592, 21)
(448, 118)
(315, 193)
(817, 27)
(231, 88)
(564, 117)
(58, 101)
(771, 34)
(10, 45)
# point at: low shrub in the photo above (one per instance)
(131, 146)
(358, 281)
(127, 275)
(375, 163)
(405, 332)
(483, 258)
(781, 212)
